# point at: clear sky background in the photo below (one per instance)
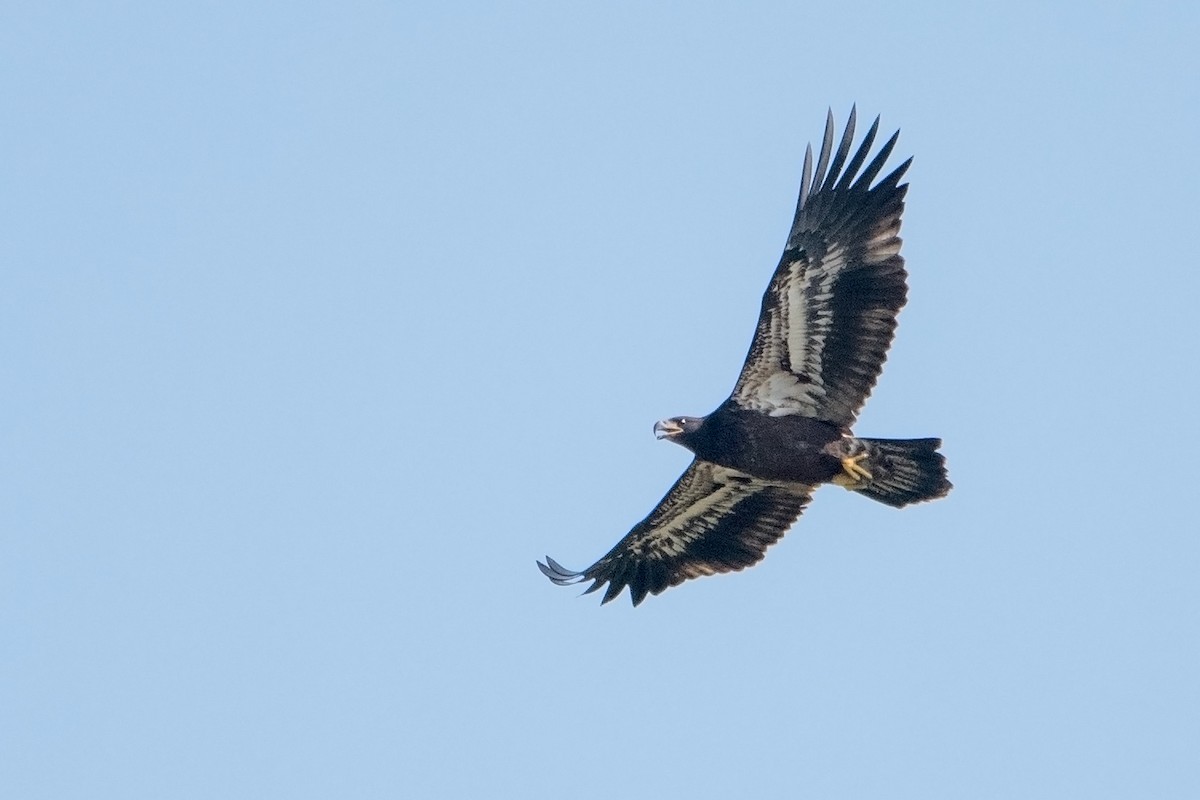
(319, 323)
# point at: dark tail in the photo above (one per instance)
(904, 471)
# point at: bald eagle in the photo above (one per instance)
(827, 320)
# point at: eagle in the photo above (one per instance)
(828, 317)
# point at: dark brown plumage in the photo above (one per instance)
(828, 317)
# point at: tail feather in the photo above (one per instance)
(904, 471)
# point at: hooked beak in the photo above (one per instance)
(665, 428)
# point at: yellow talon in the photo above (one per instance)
(853, 474)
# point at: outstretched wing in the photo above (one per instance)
(829, 313)
(713, 520)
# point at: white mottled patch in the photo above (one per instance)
(704, 494)
(799, 324)
(783, 394)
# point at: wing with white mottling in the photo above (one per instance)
(712, 520)
(829, 313)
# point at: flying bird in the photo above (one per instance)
(828, 317)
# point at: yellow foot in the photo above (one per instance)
(853, 474)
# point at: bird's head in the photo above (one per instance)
(677, 429)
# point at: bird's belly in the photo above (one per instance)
(799, 463)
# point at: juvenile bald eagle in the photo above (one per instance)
(827, 320)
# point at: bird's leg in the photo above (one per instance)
(853, 474)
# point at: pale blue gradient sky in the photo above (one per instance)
(320, 322)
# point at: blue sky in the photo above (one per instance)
(319, 323)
